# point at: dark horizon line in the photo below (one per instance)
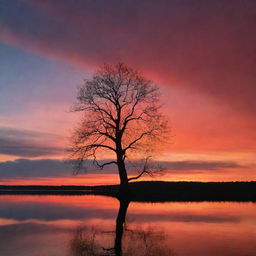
(142, 181)
(150, 191)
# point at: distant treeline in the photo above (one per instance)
(154, 191)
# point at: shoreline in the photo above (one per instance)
(150, 191)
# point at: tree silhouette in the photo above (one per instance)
(121, 118)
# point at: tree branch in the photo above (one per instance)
(143, 171)
(136, 140)
(101, 166)
(100, 146)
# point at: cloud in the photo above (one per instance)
(26, 143)
(34, 168)
(204, 46)
(25, 168)
(199, 165)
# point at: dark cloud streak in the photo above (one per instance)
(25, 143)
(21, 168)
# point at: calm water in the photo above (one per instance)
(94, 225)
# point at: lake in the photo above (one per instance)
(99, 225)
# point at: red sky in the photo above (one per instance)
(201, 54)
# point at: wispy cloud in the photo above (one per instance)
(199, 165)
(26, 143)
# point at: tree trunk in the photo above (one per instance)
(121, 164)
(124, 188)
(122, 173)
(124, 191)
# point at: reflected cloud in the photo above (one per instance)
(26, 211)
(51, 211)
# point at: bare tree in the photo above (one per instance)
(121, 119)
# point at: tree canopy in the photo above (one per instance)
(121, 119)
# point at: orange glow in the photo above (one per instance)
(98, 202)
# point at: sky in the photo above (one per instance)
(202, 54)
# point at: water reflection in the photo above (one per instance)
(97, 225)
(140, 242)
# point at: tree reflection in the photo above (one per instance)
(83, 242)
(136, 242)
